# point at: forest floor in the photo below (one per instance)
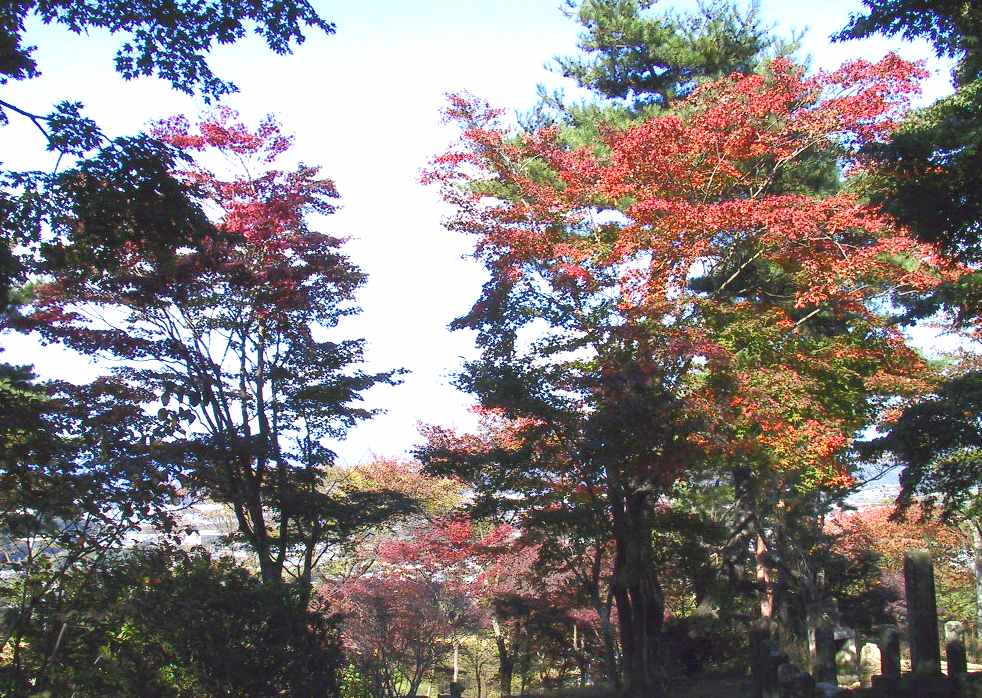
(722, 687)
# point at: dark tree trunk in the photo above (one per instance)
(638, 595)
(506, 659)
(506, 670)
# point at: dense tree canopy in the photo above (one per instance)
(927, 174)
(654, 58)
(143, 205)
(164, 38)
(938, 443)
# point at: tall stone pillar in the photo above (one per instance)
(922, 614)
(887, 682)
(825, 669)
(766, 659)
(890, 651)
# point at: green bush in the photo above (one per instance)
(171, 624)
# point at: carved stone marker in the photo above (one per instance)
(922, 613)
(890, 651)
(869, 664)
(954, 636)
(794, 682)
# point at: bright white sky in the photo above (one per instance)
(364, 104)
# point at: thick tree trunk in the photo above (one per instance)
(506, 672)
(524, 667)
(269, 571)
(763, 635)
(765, 582)
(762, 646)
(506, 660)
(638, 595)
(813, 591)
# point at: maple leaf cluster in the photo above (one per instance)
(262, 252)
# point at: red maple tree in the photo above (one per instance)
(235, 340)
(665, 298)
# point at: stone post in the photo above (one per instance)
(890, 651)
(456, 689)
(954, 636)
(869, 664)
(922, 613)
(794, 682)
(824, 670)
